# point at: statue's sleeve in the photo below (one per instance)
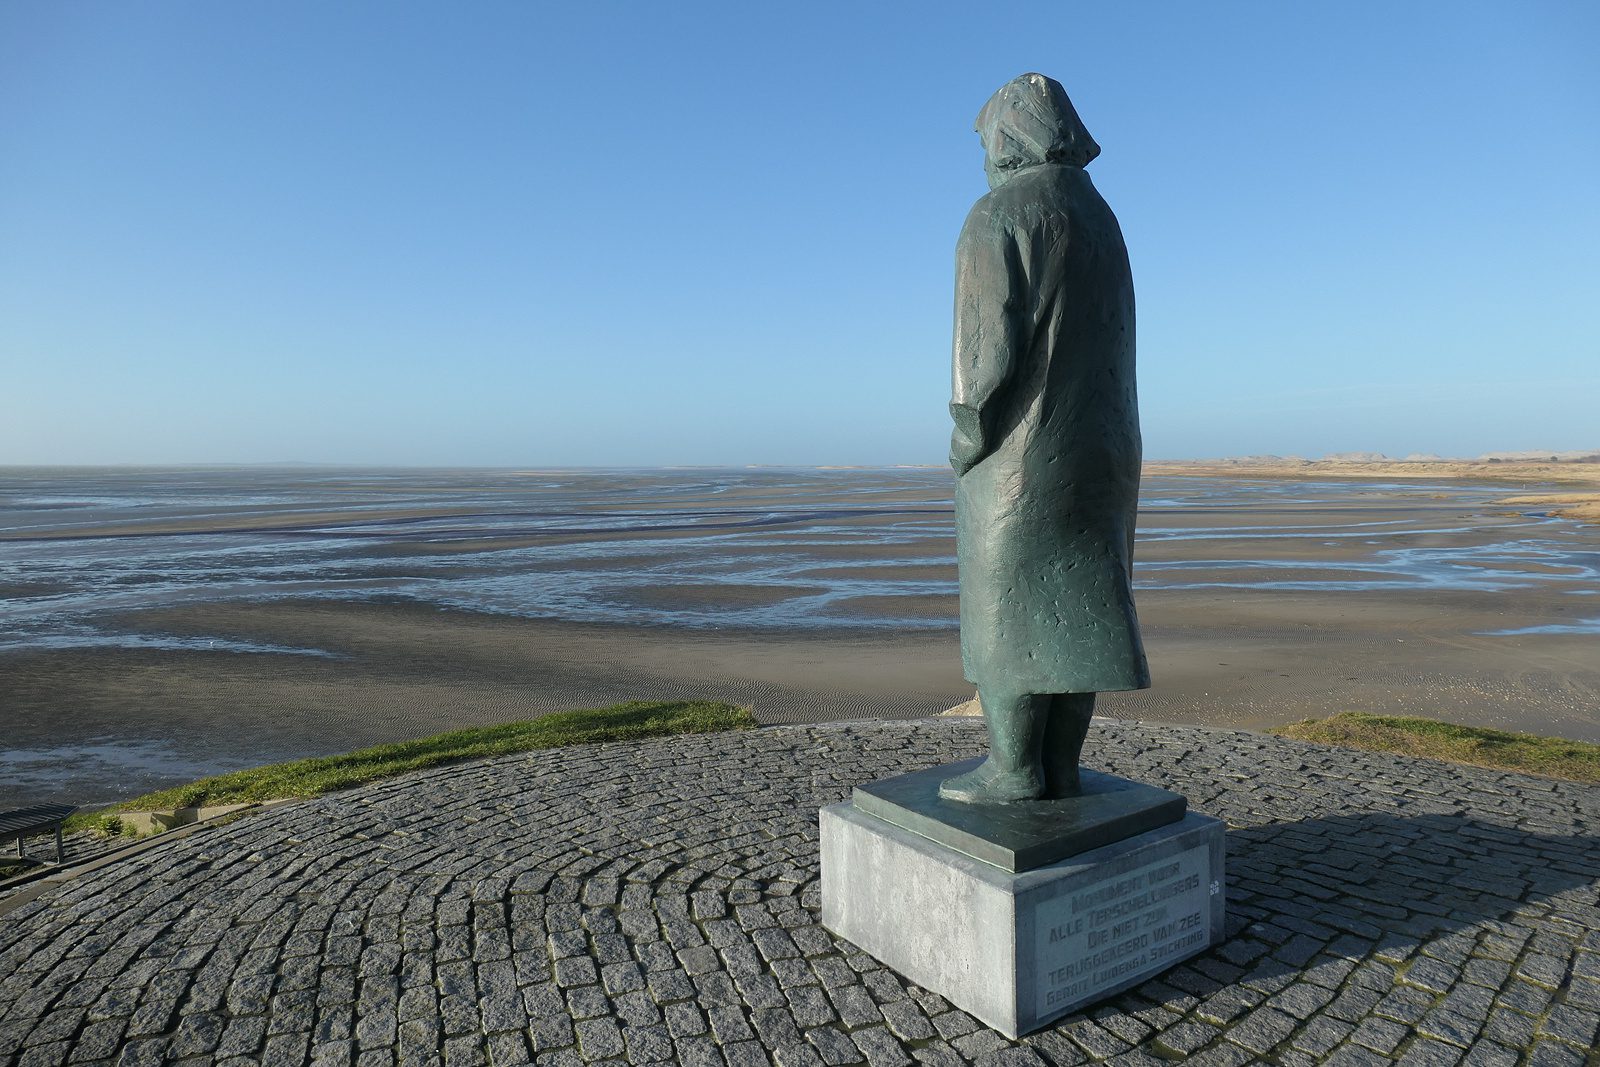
(989, 285)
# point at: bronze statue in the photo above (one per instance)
(1046, 448)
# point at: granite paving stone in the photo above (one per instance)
(657, 902)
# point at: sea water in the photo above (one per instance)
(83, 551)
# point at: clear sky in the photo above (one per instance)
(618, 234)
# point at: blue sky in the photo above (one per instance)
(618, 234)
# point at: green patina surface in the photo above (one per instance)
(1046, 447)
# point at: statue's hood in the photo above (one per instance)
(1028, 122)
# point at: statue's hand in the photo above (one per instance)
(964, 453)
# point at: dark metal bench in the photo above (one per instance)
(37, 819)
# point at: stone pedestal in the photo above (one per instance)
(1018, 948)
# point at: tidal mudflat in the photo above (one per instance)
(160, 624)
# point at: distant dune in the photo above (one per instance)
(1565, 483)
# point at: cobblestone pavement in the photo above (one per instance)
(657, 902)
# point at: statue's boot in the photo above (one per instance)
(988, 784)
(1013, 771)
(1064, 732)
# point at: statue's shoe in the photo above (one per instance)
(987, 784)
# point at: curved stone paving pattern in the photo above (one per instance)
(657, 902)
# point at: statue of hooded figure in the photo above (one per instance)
(1046, 448)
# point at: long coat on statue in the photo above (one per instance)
(1046, 445)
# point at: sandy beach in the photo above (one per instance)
(1265, 598)
(1227, 659)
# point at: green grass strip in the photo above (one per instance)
(325, 774)
(1554, 757)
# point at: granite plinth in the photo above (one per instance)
(1020, 837)
(1018, 949)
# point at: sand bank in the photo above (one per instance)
(1581, 503)
(1585, 507)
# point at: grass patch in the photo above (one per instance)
(325, 774)
(1555, 757)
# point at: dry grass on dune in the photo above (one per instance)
(1555, 757)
